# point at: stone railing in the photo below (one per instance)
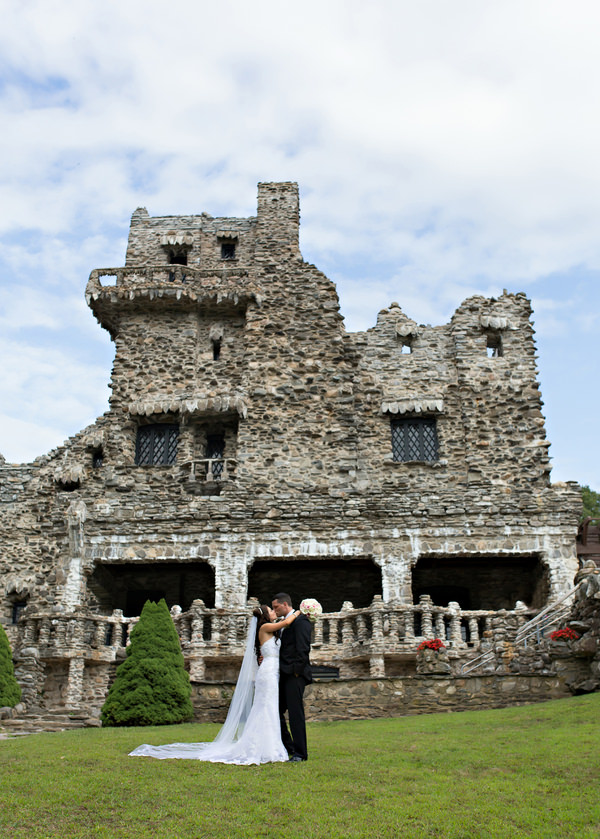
(225, 283)
(210, 469)
(341, 639)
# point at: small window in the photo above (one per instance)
(406, 346)
(178, 256)
(64, 485)
(156, 445)
(414, 439)
(97, 458)
(215, 449)
(17, 610)
(494, 346)
(216, 346)
(227, 250)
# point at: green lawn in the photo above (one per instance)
(518, 772)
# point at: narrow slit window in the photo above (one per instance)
(227, 250)
(215, 451)
(216, 347)
(494, 346)
(17, 610)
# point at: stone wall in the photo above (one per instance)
(372, 698)
(578, 661)
(246, 343)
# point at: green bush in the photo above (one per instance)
(10, 692)
(591, 503)
(152, 686)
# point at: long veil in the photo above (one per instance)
(241, 702)
(235, 721)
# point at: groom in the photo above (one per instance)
(294, 675)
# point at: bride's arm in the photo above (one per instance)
(273, 627)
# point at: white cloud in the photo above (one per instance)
(442, 149)
(27, 440)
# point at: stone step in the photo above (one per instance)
(46, 721)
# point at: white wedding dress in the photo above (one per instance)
(245, 738)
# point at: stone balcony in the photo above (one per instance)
(224, 289)
(208, 476)
(355, 643)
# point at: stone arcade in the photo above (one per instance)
(399, 475)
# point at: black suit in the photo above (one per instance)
(294, 675)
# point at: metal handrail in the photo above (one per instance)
(549, 616)
(478, 661)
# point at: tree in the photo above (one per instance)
(591, 503)
(152, 686)
(10, 692)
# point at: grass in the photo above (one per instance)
(518, 772)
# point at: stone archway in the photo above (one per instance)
(330, 581)
(482, 582)
(127, 586)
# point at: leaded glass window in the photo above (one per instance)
(414, 438)
(227, 250)
(215, 449)
(156, 445)
(17, 609)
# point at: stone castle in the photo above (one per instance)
(399, 475)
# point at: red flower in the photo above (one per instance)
(431, 644)
(564, 634)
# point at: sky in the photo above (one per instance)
(443, 148)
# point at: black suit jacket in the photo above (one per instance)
(294, 656)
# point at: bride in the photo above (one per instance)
(252, 732)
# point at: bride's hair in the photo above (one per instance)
(262, 613)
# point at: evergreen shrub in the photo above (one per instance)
(152, 686)
(10, 691)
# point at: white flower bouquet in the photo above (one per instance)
(311, 608)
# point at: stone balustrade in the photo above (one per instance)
(223, 281)
(340, 638)
(210, 469)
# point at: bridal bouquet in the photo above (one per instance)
(312, 608)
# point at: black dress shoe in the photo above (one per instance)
(295, 759)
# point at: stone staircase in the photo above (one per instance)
(38, 720)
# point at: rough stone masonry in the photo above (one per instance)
(252, 445)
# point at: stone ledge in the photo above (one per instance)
(396, 697)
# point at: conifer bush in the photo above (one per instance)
(152, 686)
(10, 692)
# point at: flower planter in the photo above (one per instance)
(433, 662)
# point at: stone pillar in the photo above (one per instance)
(376, 659)
(455, 624)
(29, 673)
(432, 662)
(197, 669)
(75, 683)
(231, 582)
(425, 604)
(75, 581)
(561, 562)
(396, 580)
(377, 667)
